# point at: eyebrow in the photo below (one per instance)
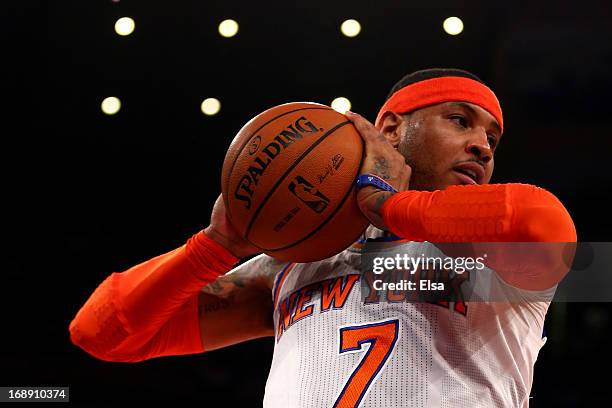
(467, 107)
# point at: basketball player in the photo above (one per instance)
(433, 141)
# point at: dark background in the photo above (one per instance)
(87, 194)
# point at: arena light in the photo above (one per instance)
(110, 105)
(124, 26)
(228, 28)
(453, 25)
(210, 106)
(341, 104)
(350, 28)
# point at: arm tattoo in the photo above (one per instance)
(380, 200)
(214, 306)
(381, 167)
(214, 288)
(239, 282)
(224, 285)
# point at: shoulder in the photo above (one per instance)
(261, 269)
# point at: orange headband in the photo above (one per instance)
(439, 90)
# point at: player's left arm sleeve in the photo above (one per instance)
(480, 213)
(491, 214)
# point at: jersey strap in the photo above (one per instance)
(280, 278)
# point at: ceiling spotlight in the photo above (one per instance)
(210, 106)
(228, 28)
(350, 28)
(124, 26)
(341, 104)
(110, 105)
(453, 25)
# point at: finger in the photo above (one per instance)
(365, 128)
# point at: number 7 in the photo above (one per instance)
(381, 337)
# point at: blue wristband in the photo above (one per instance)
(375, 181)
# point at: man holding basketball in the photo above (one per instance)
(431, 150)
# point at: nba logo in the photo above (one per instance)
(308, 194)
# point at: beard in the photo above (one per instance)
(415, 152)
(422, 181)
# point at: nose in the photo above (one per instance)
(478, 145)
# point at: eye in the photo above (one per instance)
(459, 119)
(492, 141)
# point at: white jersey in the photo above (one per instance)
(338, 347)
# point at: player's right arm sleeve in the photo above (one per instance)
(151, 310)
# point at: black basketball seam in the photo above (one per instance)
(249, 138)
(320, 225)
(282, 178)
(331, 215)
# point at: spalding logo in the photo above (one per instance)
(254, 145)
(296, 131)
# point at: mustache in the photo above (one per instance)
(483, 164)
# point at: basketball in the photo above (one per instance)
(288, 182)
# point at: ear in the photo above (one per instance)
(389, 126)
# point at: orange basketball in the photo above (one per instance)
(288, 182)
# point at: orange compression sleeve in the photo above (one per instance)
(479, 213)
(151, 309)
